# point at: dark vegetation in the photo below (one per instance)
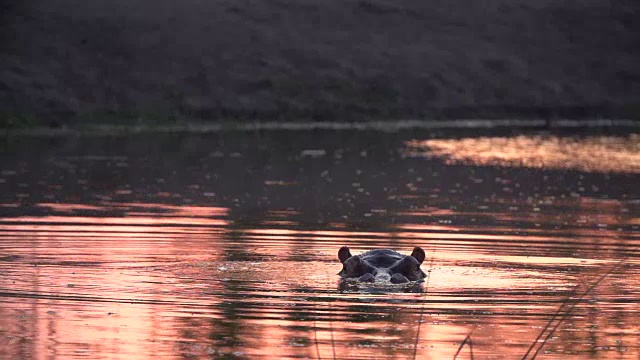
(67, 62)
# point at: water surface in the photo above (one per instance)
(225, 246)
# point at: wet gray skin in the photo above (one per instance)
(382, 265)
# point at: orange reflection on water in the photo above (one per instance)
(66, 208)
(101, 223)
(173, 210)
(593, 154)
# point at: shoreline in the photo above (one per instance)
(381, 126)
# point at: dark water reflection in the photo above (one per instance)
(225, 246)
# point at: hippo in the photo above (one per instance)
(382, 265)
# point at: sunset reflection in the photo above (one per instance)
(241, 269)
(182, 281)
(88, 285)
(594, 154)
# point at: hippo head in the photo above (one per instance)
(382, 265)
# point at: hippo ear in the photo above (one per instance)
(418, 253)
(344, 254)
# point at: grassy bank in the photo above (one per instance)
(132, 62)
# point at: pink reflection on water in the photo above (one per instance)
(176, 285)
(87, 286)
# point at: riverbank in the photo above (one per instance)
(166, 63)
(480, 126)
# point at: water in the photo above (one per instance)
(225, 246)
